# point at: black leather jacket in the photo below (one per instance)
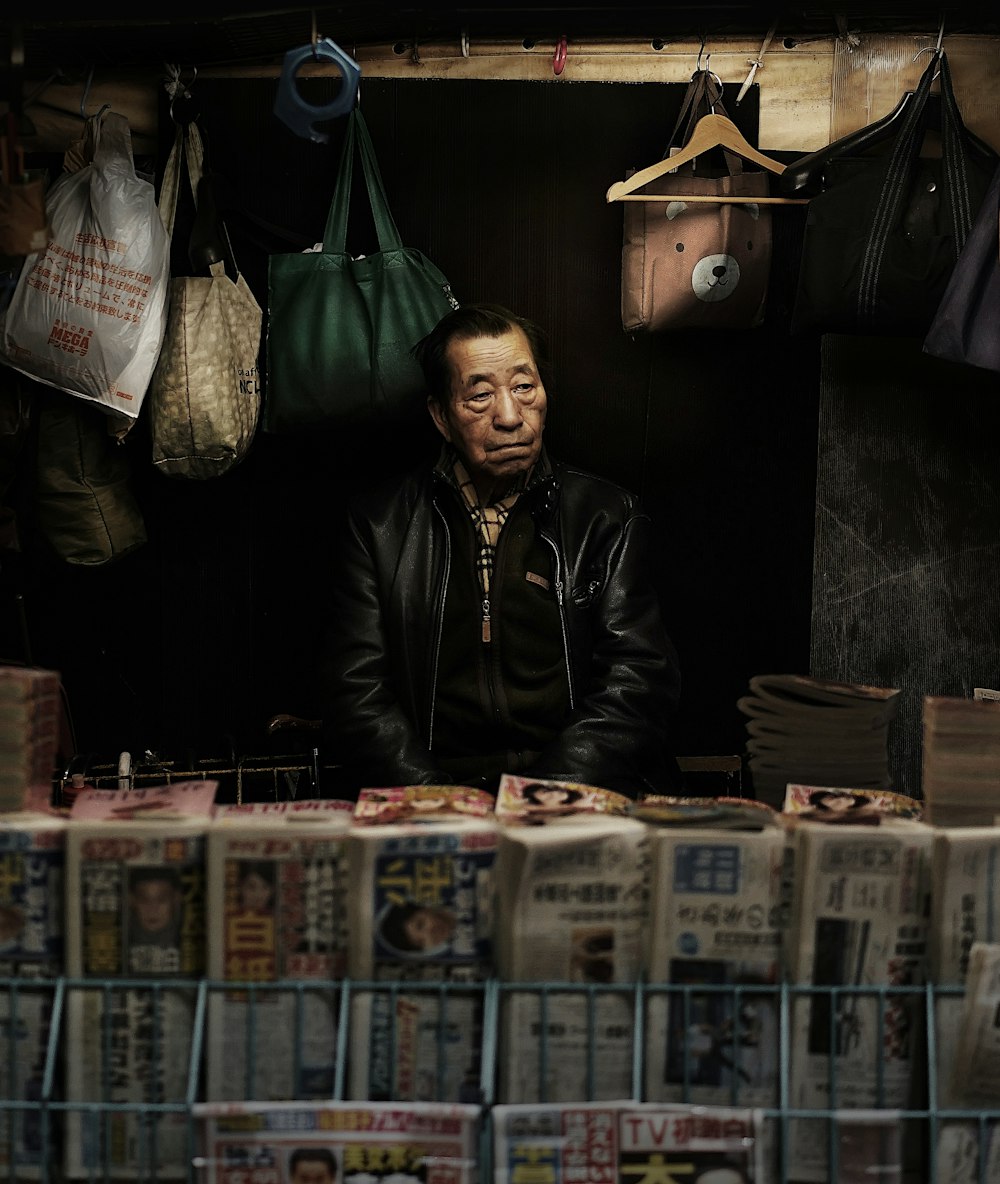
(389, 582)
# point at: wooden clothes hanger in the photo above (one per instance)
(711, 131)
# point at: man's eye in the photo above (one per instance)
(524, 388)
(477, 398)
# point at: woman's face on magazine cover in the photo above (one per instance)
(429, 928)
(255, 892)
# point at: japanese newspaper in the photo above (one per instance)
(860, 920)
(296, 810)
(964, 910)
(716, 918)
(532, 800)
(572, 899)
(338, 1143)
(32, 851)
(135, 909)
(276, 910)
(625, 1143)
(421, 803)
(976, 1069)
(960, 1148)
(551, 1144)
(421, 911)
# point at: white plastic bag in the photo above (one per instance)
(88, 313)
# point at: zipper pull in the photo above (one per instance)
(486, 621)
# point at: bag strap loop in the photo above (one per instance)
(335, 234)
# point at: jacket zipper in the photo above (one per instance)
(440, 625)
(560, 604)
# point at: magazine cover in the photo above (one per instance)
(965, 909)
(823, 803)
(532, 799)
(179, 799)
(572, 900)
(32, 853)
(716, 917)
(860, 919)
(295, 810)
(338, 1143)
(421, 803)
(276, 910)
(135, 909)
(421, 910)
(555, 1144)
(29, 733)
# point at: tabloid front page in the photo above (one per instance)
(135, 910)
(32, 852)
(716, 917)
(421, 911)
(860, 919)
(337, 1143)
(276, 910)
(965, 909)
(572, 898)
(625, 1143)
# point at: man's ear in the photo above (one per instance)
(435, 407)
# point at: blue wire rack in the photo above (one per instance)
(36, 1114)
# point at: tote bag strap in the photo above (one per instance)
(702, 97)
(955, 149)
(901, 160)
(194, 152)
(335, 234)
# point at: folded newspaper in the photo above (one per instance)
(571, 908)
(277, 910)
(421, 803)
(136, 911)
(859, 923)
(337, 1143)
(534, 800)
(716, 918)
(421, 910)
(32, 852)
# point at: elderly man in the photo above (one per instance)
(493, 611)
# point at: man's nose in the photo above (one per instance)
(507, 410)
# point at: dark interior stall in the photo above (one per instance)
(823, 505)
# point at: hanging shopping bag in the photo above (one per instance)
(690, 265)
(88, 312)
(340, 329)
(881, 244)
(84, 503)
(204, 397)
(966, 326)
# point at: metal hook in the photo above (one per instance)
(314, 39)
(559, 57)
(465, 43)
(701, 50)
(415, 52)
(86, 95)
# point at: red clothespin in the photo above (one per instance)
(559, 57)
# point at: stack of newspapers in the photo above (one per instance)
(813, 731)
(961, 761)
(29, 729)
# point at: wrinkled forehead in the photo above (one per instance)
(471, 359)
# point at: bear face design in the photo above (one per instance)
(714, 277)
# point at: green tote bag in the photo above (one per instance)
(340, 329)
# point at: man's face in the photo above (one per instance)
(495, 413)
(312, 1171)
(155, 902)
(429, 928)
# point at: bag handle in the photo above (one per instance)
(702, 97)
(194, 152)
(335, 233)
(902, 159)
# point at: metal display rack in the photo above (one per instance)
(38, 1114)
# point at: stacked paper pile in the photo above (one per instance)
(961, 772)
(29, 730)
(815, 732)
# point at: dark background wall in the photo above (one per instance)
(191, 643)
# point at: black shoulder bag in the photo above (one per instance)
(880, 245)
